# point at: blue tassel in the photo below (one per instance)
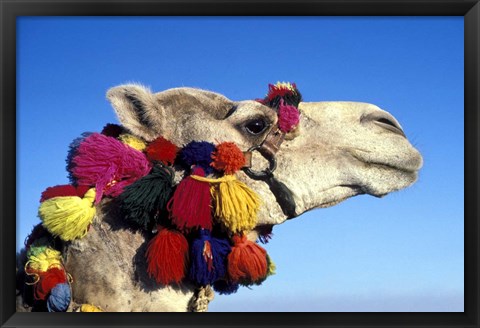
(224, 287)
(59, 298)
(198, 153)
(208, 257)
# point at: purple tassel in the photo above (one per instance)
(198, 153)
(208, 257)
(224, 287)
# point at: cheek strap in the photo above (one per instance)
(268, 149)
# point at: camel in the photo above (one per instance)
(338, 150)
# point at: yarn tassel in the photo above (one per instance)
(90, 308)
(190, 206)
(59, 299)
(167, 257)
(107, 164)
(68, 217)
(47, 281)
(236, 205)
(42, 258)
(142, 200)
(247, 262)
(208, 258)
(225, 287)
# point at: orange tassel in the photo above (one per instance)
(247, 262)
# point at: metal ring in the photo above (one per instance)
(266, 173)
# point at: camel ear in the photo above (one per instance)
(137, 109)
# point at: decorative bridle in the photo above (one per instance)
(284, 98)
(139, 176)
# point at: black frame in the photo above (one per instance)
(10, 9)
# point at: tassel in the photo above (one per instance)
(167, 257)
(48, 280)
(38, 235)
(113, 130)
(247, 262)
(63, 191)
(43, 258)
(107, 164)
(68, 217)
(236, 205)
(162, 150)
(282, 90)
(132, 141)
(198, 153)
(208, 258)
(90, 308)
(225, 287)
(288, 117)
(228, 158)
(190, 206)
(142, 200)
(59, 298)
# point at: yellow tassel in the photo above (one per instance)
(42, 261)
(68, 217)
(271, 266)
(236, 205)
(90, 308)
(133, 141)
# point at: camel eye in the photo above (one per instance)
(256, 126)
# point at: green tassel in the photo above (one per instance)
(145, 200)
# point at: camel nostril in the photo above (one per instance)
(385, 121)
(390, 125)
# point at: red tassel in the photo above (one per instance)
(63, 191)
(167, 257)
(190, 205)
(47, 281)
(247, 262)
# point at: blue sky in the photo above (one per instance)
(403, 252)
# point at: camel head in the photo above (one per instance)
(335, 150)
(339, 150)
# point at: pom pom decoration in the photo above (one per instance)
(47, 281)
(43, 258)
(225, 287)
(90, 308)
(112, 130)
(62, 191)
(162, 150)
(288, 117)
(228, 157)
(282, 90)
(38, 233)
(132, 141)
(68, 217)
(167, 256)
(208, 258)
(247, 262)
(190, 206)
(59, 299)
(108, 164)
(198, 153)
(236, 205)
(142, 200)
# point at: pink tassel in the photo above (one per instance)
(190, 205)
(108, 164)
